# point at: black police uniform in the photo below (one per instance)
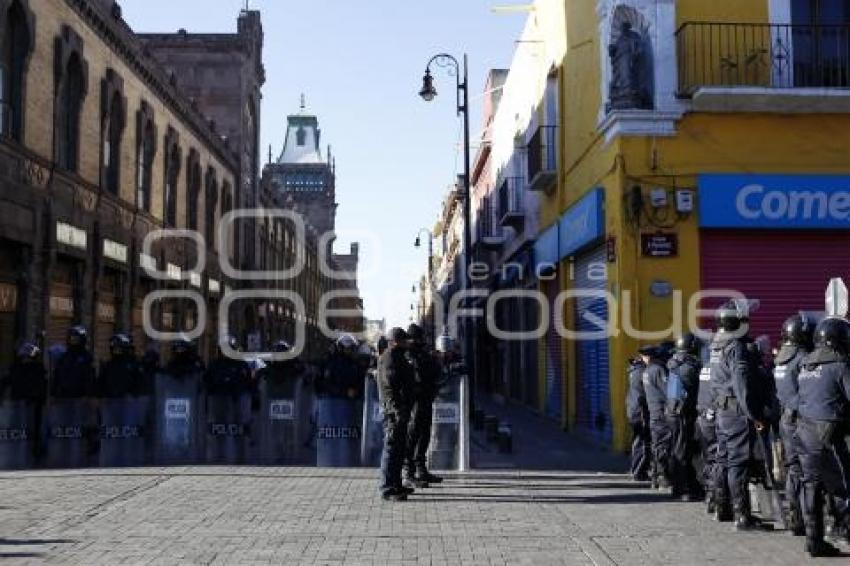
(341, 377)
(638, 414)
(785, 374)
(707, 435)
(123, 376)
(74, 375)
(426, 376)
(655, 386)
(681, 418)
(27, 381)
(395, 384)
(824, 400)
(739, 405)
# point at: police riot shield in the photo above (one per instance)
(338, 429)
(227, 428)
(284, 421)
(125, 431)
(372, 442)
(445, 427)
(69, 433)
(19, 431)
(177, 414)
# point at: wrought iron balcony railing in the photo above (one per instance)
(511, 211)
(542, 158)
(762, 55)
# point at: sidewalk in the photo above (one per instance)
(539, 444)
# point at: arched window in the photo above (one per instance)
(193, 189)
(113, 114)
(172, 173)
(210, 204)
(146, 151)
(15, 48)
(71, 74)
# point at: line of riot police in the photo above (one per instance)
(720, 421)
(131, 412)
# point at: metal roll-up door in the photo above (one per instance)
(554, 363)
(786, 271)
(105, 316)
(593, 402)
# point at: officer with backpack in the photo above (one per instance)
(739, 394)
(823, 405)
(654, 379)
(637, 412)
(796, 342)
(682, 389)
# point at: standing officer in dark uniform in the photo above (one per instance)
(122, 375)
(654, 379)
(342, 376)
(824, 401)
(707, 436)
(735, 386)
(395, 384)
(638, 414)
(74, 375)
(797, 337)
(27, 382)
(426, 376)
(683, 386)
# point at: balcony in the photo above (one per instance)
(543, 159)
(490, 235)
(764, 67)
(511, 211)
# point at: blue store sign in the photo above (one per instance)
(774, 201)
(582, 224)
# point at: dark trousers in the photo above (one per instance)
(395, 441)
(661, 438)
(682, 448)
(793, 469)
(641, 453)
(735, 441)
(419, 435)
(707, 432)
(825, 465)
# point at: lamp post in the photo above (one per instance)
(418, 244)
(428, 93)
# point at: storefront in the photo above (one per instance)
(144, 286)
(66, 284)
(110, 296)
(777, 239)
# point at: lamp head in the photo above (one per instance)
(428, 92)
(417, 243)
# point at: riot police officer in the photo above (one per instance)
(281, 416)
(122, 375)
(184, 360)
(74, 375)
(178, 414)
(25, 386)
(342, 377)
(637, 412)
(228, 384)
(796, 342)
(395, 384)
(682, 390)
(654, 379)
(706, 432)
(227, 376)
(426, 376)
(824, 400)
(739, 403)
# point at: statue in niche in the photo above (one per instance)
(630, 88)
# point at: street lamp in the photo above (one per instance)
(418, 244)
(428, 93)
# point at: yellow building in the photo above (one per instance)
(705, 145)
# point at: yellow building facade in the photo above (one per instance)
(739, 149)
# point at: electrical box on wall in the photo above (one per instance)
(684, 201)
(658, 198)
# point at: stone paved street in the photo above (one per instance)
(210, 515)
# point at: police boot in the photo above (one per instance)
(411, 481)
(723, 511)
(817, 548)
(794, 523)
(746, 522)
(710, 506)
(424, 475)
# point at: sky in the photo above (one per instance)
(360, 66)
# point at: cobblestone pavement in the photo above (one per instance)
(209, 515)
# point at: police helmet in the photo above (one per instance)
(731, 316)
(78, 336)
(416, 333)
(28, 352)
(346, 344)
(833, 333)
(281, 346)
(121, 343)
(798, 330)
(687, 342)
